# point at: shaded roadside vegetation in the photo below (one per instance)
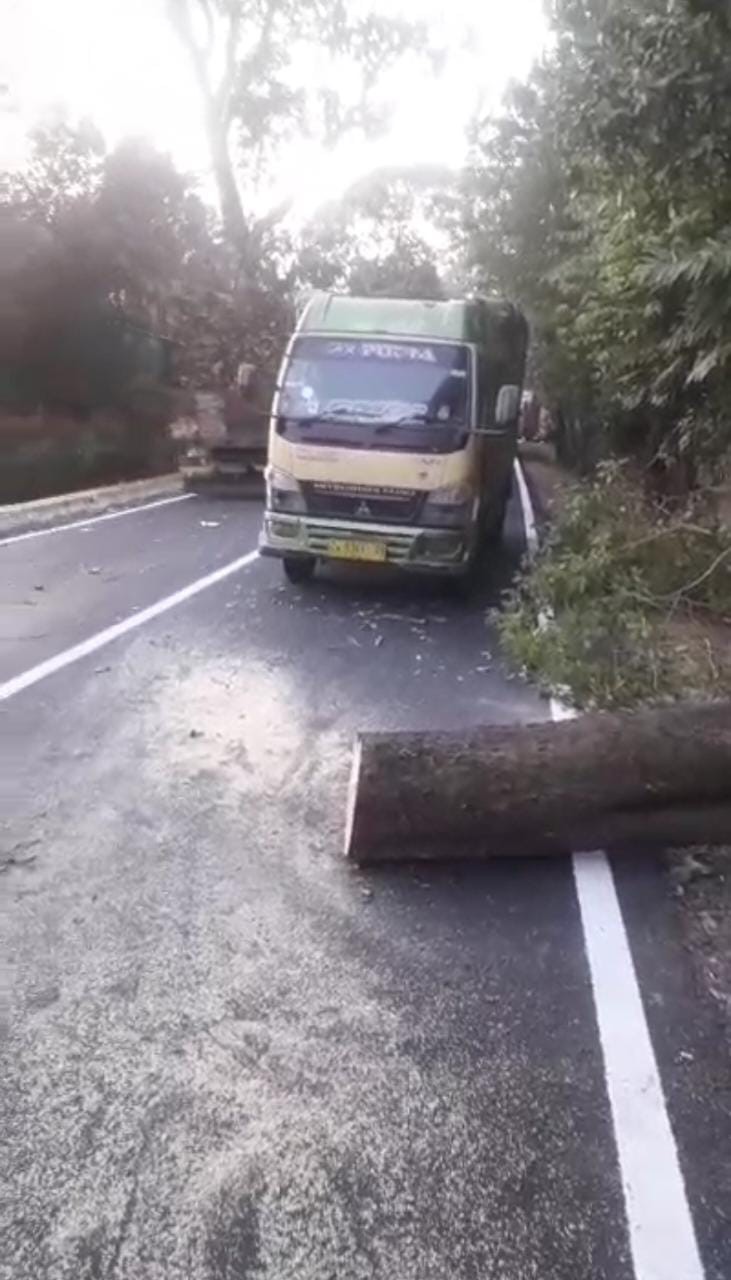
(124, 284)
(627, 601)
(116, 295)
(600, 199)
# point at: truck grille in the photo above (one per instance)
(363, 502)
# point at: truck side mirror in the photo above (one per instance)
(507, 406)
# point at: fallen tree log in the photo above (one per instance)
(649, 778)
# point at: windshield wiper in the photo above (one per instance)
(309, 418)
(379, 426)
(417, 420)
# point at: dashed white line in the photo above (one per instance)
(81, 524)
(101, 638)
(659, 1222)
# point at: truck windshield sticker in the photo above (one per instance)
(380, 351)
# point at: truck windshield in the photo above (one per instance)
(376, 381)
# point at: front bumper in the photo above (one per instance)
(443, 551)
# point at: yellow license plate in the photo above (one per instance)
(353, 549)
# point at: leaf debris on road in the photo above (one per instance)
(11, 859)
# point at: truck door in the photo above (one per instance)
(497, 444)
(485, 443)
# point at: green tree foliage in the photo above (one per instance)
(601, 200)
(114, 279)
(379, 237)
(91, 236)
(612, 611)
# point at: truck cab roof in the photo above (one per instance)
(455, 320)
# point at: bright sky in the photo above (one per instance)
(118, 62)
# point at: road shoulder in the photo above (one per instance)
(17, 517)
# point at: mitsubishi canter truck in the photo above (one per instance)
(393, 433)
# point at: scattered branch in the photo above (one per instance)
(691, 586)
(662, 532)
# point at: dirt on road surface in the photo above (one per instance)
(227, 1054)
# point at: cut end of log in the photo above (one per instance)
(352, 797)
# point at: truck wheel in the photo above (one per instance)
(298, 569)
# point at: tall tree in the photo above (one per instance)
(600, 198)
(64, 165)
(380, 237)
(262, 70)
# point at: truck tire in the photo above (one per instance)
(298, 569)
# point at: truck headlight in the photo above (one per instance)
(450, 506)
(283, 491)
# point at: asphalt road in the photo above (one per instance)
(227, 1055)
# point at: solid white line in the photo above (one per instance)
(352, 795)
(662, 1237)
(81, 524)
(659, 1222)
(77, 651)
(526, 506)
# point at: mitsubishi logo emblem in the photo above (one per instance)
(363, 509)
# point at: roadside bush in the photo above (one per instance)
(608, 612)
(48, 453)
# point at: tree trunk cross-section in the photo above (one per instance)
(643, 779)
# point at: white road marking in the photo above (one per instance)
(77, 651)
(661, 1232)
(659, 1222)
(81, 524)
(526, 506)
(352, 795)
